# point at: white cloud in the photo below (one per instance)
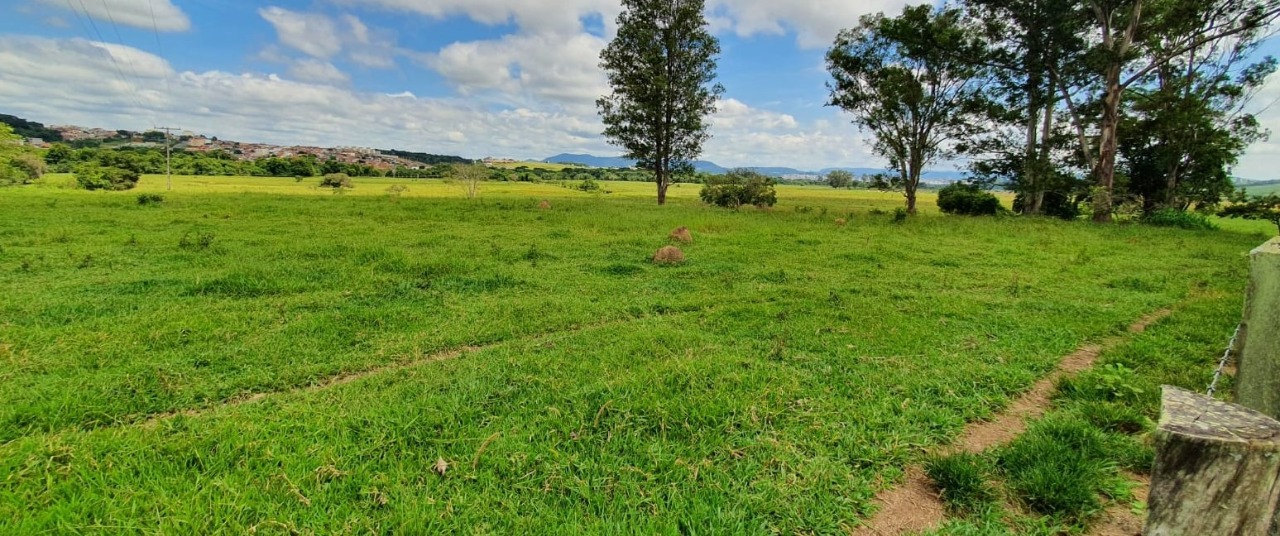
(815, 22)
(535, 16)
(561, 69)
(311, 34)
(319, 71)
(161, 15)
(322, 37)
(1260, 162)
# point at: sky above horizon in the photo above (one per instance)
(477, 78)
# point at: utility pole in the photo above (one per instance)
(168, 170)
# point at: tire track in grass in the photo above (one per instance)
(329, 382)
(914, 505)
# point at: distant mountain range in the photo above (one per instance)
(713, 168)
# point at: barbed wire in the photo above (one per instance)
(1226, 358)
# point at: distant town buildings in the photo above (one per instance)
(191, 141)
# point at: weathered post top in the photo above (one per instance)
(1217, 468)
(1200, 418)
(1258, 384)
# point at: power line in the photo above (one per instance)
(114, 63)
(168, 169)
(155, 30)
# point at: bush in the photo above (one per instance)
(150, 199)
(337, 181)
(589, 185)
(968, 200)
(1169, 217)
(900, 215)
(739, 187)
(93, 177)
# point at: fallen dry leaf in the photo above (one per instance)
(441, 466)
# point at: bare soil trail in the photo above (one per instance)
(914, 505)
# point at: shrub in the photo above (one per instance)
(900, 215)
(92, 177)
(1181, 219)
(968, 200)
(150, 199)
(396, 190)
(337, 181)
(738, 188)
(589, 185)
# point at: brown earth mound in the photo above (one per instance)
(841, 222)
(682, 235)
(669, 255)
(544, 205)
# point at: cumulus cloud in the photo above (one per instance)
(535, 16)
(311, 34)
(815, 22)
(319, 71)
(322, 37)
(160, 14)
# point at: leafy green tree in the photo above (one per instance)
(57, 154)
(19, 164)
(1139, 37)
(840, 179)
(1031, 47)
(910, 81)
(1266, 208)
(1184, 127)
(662, 67)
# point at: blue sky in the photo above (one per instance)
(509, 78)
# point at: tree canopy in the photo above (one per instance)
(662, 68)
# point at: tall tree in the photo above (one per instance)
(1121, 59)
(1031, 44)
(662, 68)
(1185, 125)
(911, 82)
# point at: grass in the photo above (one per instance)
(772, 383)
(1073, 463)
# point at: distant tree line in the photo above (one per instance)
(30, 129)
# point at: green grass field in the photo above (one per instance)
(171, 368)
(1264, 189)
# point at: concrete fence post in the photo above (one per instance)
(1258, 379)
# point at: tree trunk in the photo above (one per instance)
(1030, 165)
(663, 182)
(1108, 147)
(1217, 468)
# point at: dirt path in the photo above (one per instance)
(915, 506)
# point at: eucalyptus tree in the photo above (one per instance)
(911, 82)
(662, 69)
(1032, 45)
(1123, 55)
